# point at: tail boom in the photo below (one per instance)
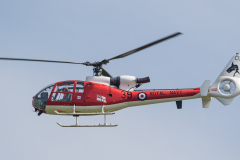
(161, 96)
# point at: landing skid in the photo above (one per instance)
(87, 114)
(94, 125)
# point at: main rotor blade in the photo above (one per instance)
(105, 73)
(145, 46)
(37, 60)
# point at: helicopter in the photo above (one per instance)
(102, 94)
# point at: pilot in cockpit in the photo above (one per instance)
(65, 89)
(68, 96)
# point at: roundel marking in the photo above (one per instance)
(142, 96)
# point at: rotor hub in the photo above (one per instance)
(226, 87)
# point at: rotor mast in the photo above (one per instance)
(97, 67)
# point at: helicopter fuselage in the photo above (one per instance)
(90, 97)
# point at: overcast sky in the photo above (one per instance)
(80, 31)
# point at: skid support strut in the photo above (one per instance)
(74, 114)
(105, 116)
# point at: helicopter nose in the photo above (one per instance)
(37, 104)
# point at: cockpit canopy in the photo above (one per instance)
(60, 92)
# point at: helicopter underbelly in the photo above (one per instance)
(50, 109)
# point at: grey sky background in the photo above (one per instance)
(82, 31)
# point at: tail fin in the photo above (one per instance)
(227, 85)
(204, 89)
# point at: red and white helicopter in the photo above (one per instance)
(103, 94)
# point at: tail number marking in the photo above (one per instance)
(129, 95)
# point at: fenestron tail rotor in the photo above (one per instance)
(97, 66)
(227, 87)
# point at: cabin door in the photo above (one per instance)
(79, 94)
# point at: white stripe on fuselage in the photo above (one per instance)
(114, 107)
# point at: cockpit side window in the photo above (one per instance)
(79, 87)
(64, 87)
(63, 92)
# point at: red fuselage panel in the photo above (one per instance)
(98, 94)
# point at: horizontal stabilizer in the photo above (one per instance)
(224, 101)
(204, 88)
(206, 102)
